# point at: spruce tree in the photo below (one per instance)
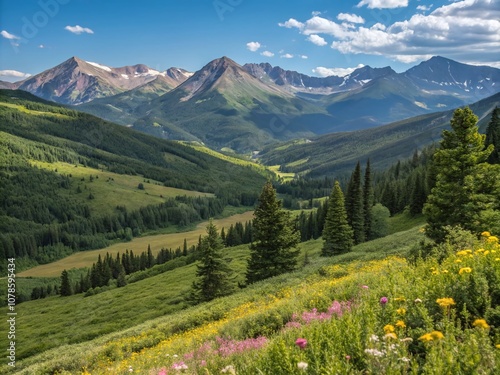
(354, 205)
(275, 237)
(213, 273)
(464, 182)
(493, 136)
(338, 235)
(66, 289)
(368, 201)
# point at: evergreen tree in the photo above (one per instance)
(66, 289)
(213, 273)
(418, 195)
(368, 201)
(355, 206)
(464, 182)
(338, 235)
(493, 136)
(275, 237)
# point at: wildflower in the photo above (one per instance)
(405, 359)
(481, 323)
(493, 239)
(497, 346)
(374, 352)
(400, 324)
(486, 234)
(383, 301)
(445, 302)
(406, 339)
(400, 299)
(229, 370)
(401, 311)
(302, 366)
(364, 286)
(203, 363)
(388, 328)
(458, 260)
(464, 270)
(179, 366)
(418, 300)
(436, 272)
(426, 338)
(130, 369)
(163, 371)
(436, 335)
(390, 335)
(348, 357)
(301, 343)
(374, 338)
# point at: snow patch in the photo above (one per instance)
(103, 67)
(125, 76)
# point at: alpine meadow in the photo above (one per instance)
(245, 188)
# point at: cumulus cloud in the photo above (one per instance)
(291, 23)
(77, 29)
(267, 54)
(287, 56)
(353, 18)
(304, 57)
(253, 46)
(13, 74)
(8, 35)
(424, 8)
(383, 4)
(339, 72)
(316, 39)
(459, 30)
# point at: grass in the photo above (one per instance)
(286, 176)
(79, 319)
(138, 245)
(111, 189)
(23, 109)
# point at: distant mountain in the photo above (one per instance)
(76, 81)
(297, 82)
(337, 153)
(7, 85)
(225, 106)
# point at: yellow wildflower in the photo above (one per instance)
(401, 311)
(493, 239)
(497, 346)
(400, 324)
(400, 299)
(464, 252)
(390, 335)
(486, 234)
(464, 270)
(481, 323)
(389, 328)
(458, 260)
(425, 338)
(437, 335)
(435, 272)
(445, 302)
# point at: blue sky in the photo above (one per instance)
(315, 37)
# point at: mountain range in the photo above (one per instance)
(245, 108)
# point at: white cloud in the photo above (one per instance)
(339, 72)
(315, 13)
(253, 46)
(462, 30)
(304, 57)
(424, 8)
(14, 73)
(78, 29)
(353, 18)
(267, 54)
(316, 39)
(287, 56)
(292, 23)
(41, 46)
(8, 35)
(383, 4)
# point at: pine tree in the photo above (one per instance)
(368, 201)
(275, 237)
(338, 235)
(493, 136)
(213, 273)
(66, 289)
(464, 181)
(354, 205)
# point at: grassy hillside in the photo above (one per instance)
(356, 313)
(116, 312)
(71, 182)
(338, 153)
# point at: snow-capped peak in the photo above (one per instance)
(103, 67)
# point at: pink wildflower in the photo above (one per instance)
(163, 371)
(179, 366)
(384, 300)
(301, 343)
(364, 286)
